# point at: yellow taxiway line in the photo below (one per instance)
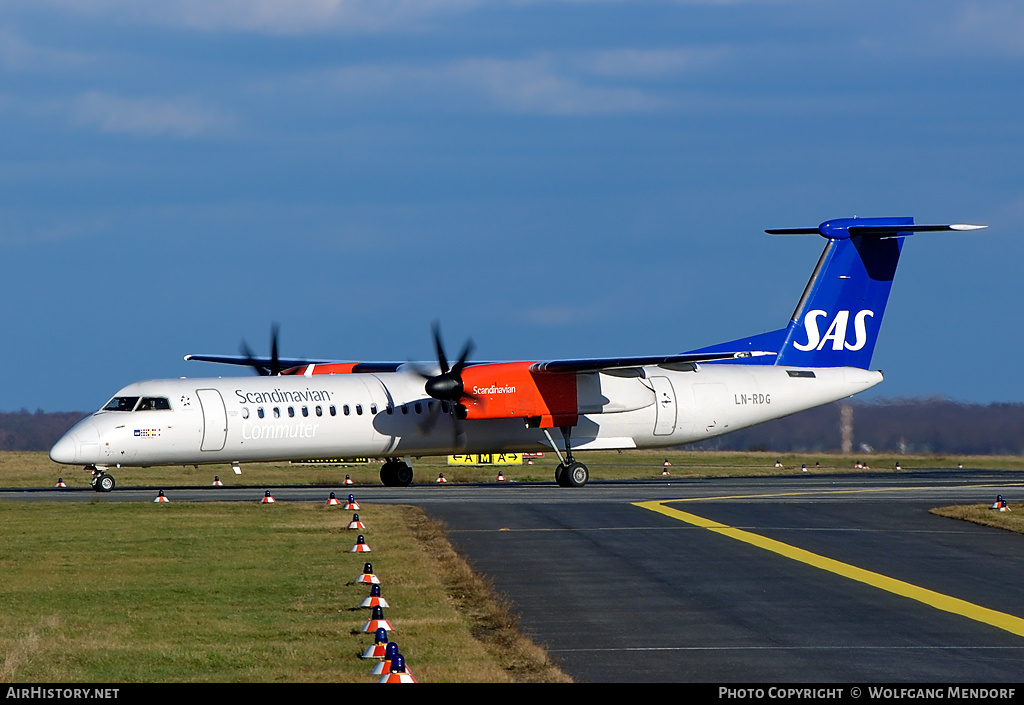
(1001, 620)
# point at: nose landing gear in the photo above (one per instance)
(101, 481)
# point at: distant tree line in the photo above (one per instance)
(916, 426)
(24, 430)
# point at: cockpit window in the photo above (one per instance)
(121, 404)
(153, 403)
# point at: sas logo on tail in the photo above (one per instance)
(836, 331)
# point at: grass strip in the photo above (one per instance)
(22, 469)
(233, 592)
(1012, 520)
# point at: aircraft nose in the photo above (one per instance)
(81, 444)
(65, 450)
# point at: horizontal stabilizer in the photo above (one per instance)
(844, 228)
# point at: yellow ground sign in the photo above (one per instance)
(486, 459)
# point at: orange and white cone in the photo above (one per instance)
(374, 600)
(384, 666)
(352, 503)
(355, 523)
(217, 482)
(1000, 504)
(500, 478)
(60, 482)
(267, 499)
(360, 546)
(440, 478)
(348, 480)
(380, 645)
(778, 463)
(398, 672)
(377, 621)
(368, 578)
(160, 497)
(333, 501)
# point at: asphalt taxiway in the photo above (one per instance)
(843, 578)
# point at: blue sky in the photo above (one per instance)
(551, 178)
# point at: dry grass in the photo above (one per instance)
(141, 592)
(493, 618)
(1012, 520)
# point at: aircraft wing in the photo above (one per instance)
(285, 363)
(267, 363)
(614, 363)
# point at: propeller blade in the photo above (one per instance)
(428, 423)
(437, 410)
(275, 362)
(442, 361)
(447, 386)
(463, 358)
(261, 366)
(251, 359)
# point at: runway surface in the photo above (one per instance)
(787, 579)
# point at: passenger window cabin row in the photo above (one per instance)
(161, 403)
(332, 410)
(346, 410)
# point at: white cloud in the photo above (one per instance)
(992, 26)
(539, 86)
(18, 55)
(269, 16)
(146, 116)
(544, 84)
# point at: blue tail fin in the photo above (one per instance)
(837, 320)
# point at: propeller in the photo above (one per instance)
(447, 386)
(265, 370)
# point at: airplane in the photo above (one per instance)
(304, 409)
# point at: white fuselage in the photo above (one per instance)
(236, 419)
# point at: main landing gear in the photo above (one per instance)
(569, 473)
(101, 481)
(395, 473)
